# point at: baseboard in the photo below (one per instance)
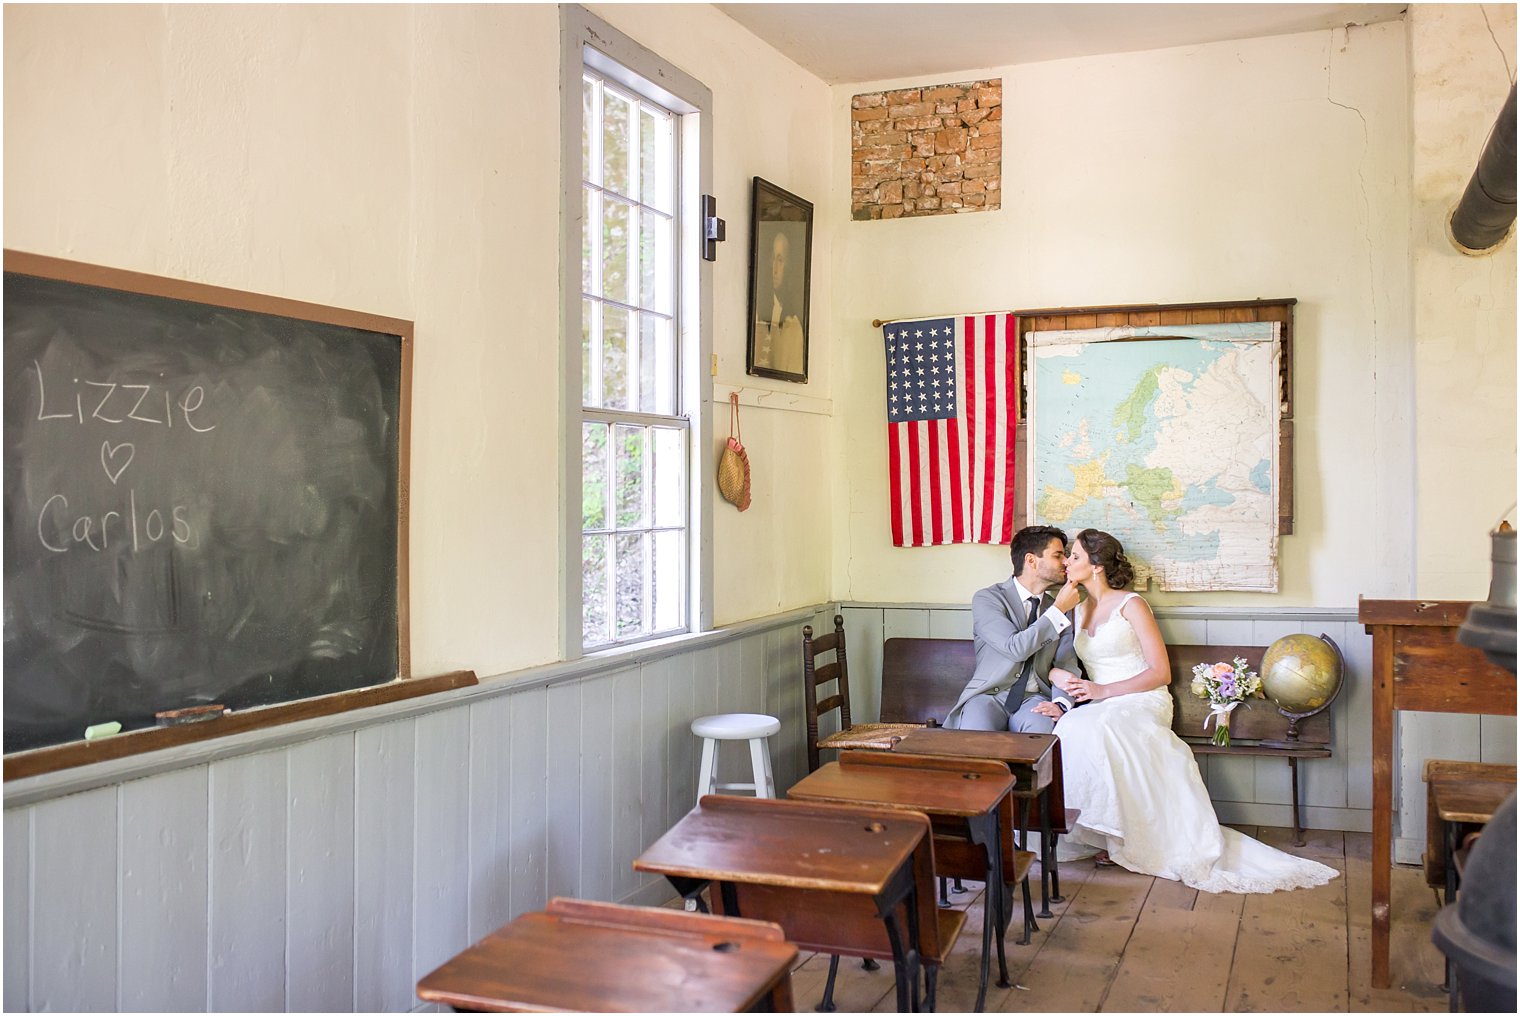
(1350, 820)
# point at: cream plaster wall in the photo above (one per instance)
(770, 120)
(1462, 60)
(1271, 167)
(403, 160)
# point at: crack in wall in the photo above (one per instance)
(1483, 9)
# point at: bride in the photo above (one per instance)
(1137, 784)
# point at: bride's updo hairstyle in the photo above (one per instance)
(1108, 553)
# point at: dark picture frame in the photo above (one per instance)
(780, 283)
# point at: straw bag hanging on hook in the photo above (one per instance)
(733, 466)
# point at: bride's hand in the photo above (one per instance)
(1062, 679)
(1085, 691)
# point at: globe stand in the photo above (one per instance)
(1290, 740)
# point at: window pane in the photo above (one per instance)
(669, 568)
(656, 381)
(590, 165)
(656, 159)
(669, 494)
(628, 466)
(594, 571)
(656, 269)
(628, 602)
(617, 246)
(614, 357)
(617, 158)
(594, 473)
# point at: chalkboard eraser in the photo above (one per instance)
(99, 730)
(190, 714)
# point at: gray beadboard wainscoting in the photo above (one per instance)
(328, 865)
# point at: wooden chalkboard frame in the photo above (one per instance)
(1161, 314)
(62, 756)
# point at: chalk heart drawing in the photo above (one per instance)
(109, 456)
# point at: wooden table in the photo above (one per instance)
(1417, 664)
(857, 881)
(1035, 761)
(579, 956)
(969, 793)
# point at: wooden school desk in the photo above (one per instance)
(1417, 664)
(857, 881)
(1034, 760)
(963, 793)
(579, 956)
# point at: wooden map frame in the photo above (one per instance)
(1153, 315)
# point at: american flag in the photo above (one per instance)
(950, 420)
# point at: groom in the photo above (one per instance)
(1020, 632)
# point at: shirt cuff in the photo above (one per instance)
(1060, 620)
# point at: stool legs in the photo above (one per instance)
(707, 774)
(760, 763)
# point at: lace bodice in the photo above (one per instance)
(1112, 652)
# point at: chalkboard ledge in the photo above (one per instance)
(80, 753)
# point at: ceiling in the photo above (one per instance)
(852, 43)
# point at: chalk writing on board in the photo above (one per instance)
(61, 528)
(202, 505)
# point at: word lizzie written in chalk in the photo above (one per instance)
(114, 408)
(60, 529)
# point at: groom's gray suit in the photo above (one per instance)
(1005, 641)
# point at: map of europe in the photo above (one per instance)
(1167, 443)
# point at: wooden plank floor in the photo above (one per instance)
(1122, 942)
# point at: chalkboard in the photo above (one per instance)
(204, 497)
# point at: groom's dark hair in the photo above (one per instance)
(1032, 540)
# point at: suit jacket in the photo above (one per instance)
(1004, 639)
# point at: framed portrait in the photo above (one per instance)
(780, 277)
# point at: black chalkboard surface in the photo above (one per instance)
(204, 496)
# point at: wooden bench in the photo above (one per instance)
(922, 678)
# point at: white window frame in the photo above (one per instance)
(588, 42)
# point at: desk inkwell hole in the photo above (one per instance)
(876, 827)
(971, 776)
(725, 947)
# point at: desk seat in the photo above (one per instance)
(581, 956)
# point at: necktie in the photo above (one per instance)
(1016, 694)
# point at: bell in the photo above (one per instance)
(1490, 626)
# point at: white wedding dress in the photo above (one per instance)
(1139, 789)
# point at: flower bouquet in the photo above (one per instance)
(1225, 685)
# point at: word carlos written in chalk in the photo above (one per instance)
(115, 406)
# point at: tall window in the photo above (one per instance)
(635, 435)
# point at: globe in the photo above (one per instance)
(1301, 674)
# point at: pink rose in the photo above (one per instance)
(1223, 669)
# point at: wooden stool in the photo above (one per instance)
(751, 727)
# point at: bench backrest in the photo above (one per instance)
(1257, 720)
(922, 678)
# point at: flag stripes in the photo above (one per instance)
(951, 386)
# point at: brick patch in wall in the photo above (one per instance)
(930, 150)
